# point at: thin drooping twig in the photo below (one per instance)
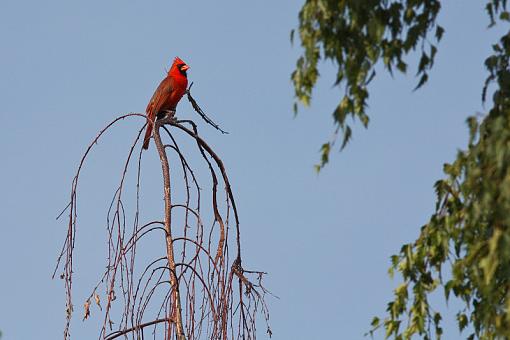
(201, 112)
(68, 246)
(168, 227)
(205, 146)
(236, 269)
(117, 334)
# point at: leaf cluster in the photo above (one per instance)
(356, 35)
(468, 236)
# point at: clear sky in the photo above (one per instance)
(68, 67)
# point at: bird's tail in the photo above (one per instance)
(147, 137)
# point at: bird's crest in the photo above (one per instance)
(178, 60)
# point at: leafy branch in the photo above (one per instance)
(464, 248)
(357, 36)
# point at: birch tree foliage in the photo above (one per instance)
(356, 36)
(463, 251)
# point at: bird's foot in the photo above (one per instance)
(165, 114)
(168, 118)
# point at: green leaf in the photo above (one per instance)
(439, 32)
(424, 63)
(462, 321)
(437, 318)
(448, 288)
(375, 322)
(402, 67)
(505, 16)
(347, 136)
(490, 11)
(422, 81)
(325, 149)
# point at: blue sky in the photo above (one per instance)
(67, 68)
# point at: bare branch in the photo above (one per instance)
(117, 334)
(168, 227)
(195, 297)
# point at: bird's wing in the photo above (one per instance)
(165, 88)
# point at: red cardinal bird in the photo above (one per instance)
(167, 95)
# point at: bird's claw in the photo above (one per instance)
(167, 115)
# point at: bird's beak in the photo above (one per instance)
(185, 67)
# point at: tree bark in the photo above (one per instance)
(168, 228)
